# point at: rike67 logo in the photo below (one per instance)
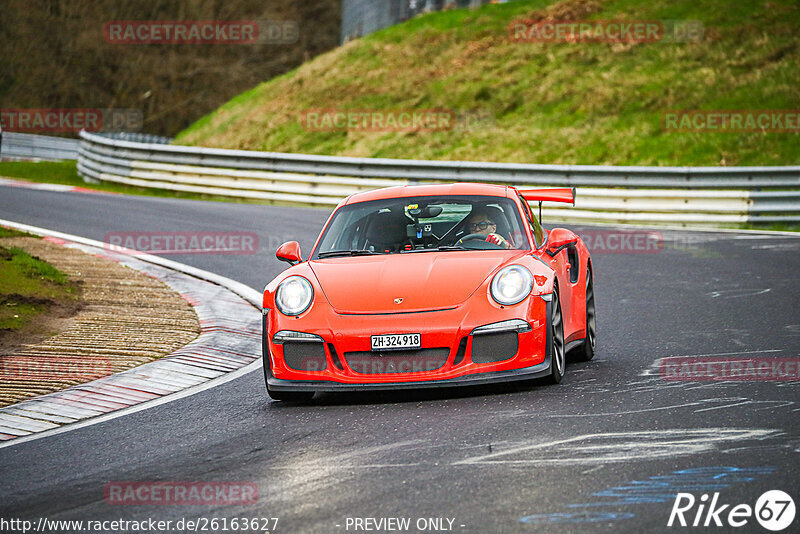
(774, 511)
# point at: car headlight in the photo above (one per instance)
(294, 295)
(511, 285)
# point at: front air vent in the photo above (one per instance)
(462, 350)
(335, 357)
(491, 348)
(305, 356)
(397, 362)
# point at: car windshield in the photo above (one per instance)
(423, 224)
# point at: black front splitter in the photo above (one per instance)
(527, 373)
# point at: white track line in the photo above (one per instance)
(137, 408)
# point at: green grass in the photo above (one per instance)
(33, 270)
(9, 232)
(774, 227)
(29, 287)
(53, 172)
(562, 103)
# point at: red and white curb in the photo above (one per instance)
(58, 188)
(229, 345)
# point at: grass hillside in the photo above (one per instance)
(580, 103)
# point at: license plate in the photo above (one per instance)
(396, 341)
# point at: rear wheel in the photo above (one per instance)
(586, 351)
(558, 361)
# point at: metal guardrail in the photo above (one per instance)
(138, 137)
(31, 146)
(688, 195)
(43, 147)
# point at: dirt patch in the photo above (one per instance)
(58, 318)
(123, 319)
(568, 10)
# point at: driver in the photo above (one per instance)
(481, 223)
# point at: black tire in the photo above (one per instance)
(290, 396)
(558, 362)
(586, 350)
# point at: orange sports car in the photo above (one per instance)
(429, 286)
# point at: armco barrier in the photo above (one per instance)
(685, 195)
(45, 147)
(31, 146)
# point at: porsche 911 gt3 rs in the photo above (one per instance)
(429, 286)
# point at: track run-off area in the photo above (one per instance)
(605, 451)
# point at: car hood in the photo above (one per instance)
(424, 281)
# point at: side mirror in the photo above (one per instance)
(560, 238)
(289, 252)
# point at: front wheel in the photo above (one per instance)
(558, 359)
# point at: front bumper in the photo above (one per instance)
(528, 373)
(449, 331)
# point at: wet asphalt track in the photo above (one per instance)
(578, 457)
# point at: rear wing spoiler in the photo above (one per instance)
(565, 194)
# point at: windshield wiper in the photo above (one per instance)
(441, 248)
(334, 253)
